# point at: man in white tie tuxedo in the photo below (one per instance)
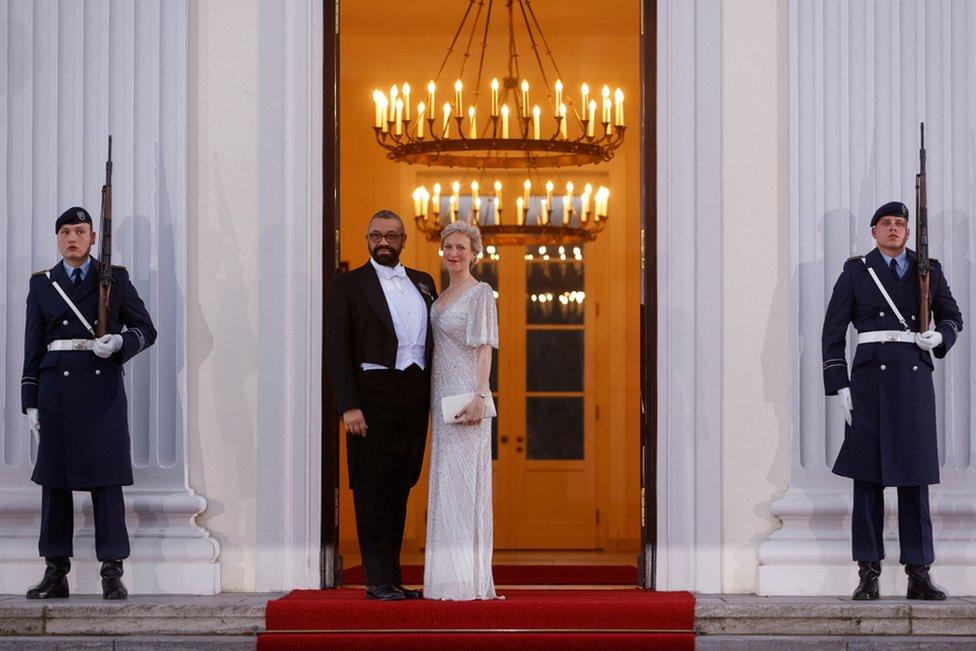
(379, 348)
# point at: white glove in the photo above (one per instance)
(35, 423)
(847, 403)
(928, 340)
(106, 346)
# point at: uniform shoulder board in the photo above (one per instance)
(39, 273)
(119, 267)
(936, 260)
(855, 257)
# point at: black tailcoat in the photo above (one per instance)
(359, 329)
(80, 397)
(892, 440)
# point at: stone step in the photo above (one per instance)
(833, 616)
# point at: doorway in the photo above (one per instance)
(573, 448)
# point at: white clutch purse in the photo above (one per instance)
(451, 405)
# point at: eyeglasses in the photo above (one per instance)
(392, 238)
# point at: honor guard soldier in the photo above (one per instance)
(73, 394)
(889, 399)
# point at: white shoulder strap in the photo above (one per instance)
(887, 297)
(74, 308)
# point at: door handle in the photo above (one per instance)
(503, 438)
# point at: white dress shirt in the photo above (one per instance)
(409, 313)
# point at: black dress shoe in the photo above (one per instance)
(408, 593)
(867, 587)
(920, 585)
(112, 587)
(384, 592)
(54, 585)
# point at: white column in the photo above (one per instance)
(862, 77)
(689, 309)
(73, 73)
(289, 297)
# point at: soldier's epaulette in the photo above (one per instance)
(118, 266)
(855, 257)
(40, 273)
(931, 260)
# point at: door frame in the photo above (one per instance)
(330, 560)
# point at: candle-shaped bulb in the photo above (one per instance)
(549, 187)
(559, 93)
(417, 201)
(563, 122)
(505, 121)
(498, 187)
(472, 125)
(525, 98)
(457, 96)
(527, 185)
(474, 189)
(447, 119)
(536, 126)
(437, 199)
(421, 109)
(494, 97)
(584, 94)
(569, 188)
(520, 210)
(406, 101)
(588, 188)
(618, 97)
(456, 187)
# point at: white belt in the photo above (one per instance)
(886, 337)
(71, 344)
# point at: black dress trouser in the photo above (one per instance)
(385, 464)
(58, 520)
(914, 524)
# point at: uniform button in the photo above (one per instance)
(883, 367)
(881, 313)
(66, 374)
(913, 317)
(65, 322)
(98, 371)
(914, 368)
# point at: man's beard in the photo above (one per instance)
(386, 256)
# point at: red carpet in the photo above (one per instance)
(526, 619)
(525, 575)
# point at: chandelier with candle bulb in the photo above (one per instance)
(546, 217)
(515, 133)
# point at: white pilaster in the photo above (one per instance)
(688, 258)
(75, 72)
(862, 77)
(289, 408)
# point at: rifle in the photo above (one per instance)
(922, 238)
(105, 250)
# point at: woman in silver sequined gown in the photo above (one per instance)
(464, 320)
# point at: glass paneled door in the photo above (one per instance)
(544, 479)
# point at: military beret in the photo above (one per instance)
(890, 209)
(73, 215)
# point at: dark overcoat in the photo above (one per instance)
(892, 439)
(359, 329)
(80, 397)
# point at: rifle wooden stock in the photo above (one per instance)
(922, 237)
(105, 250)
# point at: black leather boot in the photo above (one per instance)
(112, 587)
(867, 587)
(54, 585)
(920, 584)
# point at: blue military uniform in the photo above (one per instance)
(892, 438)
(81, 402)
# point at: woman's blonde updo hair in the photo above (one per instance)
(471, 231)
